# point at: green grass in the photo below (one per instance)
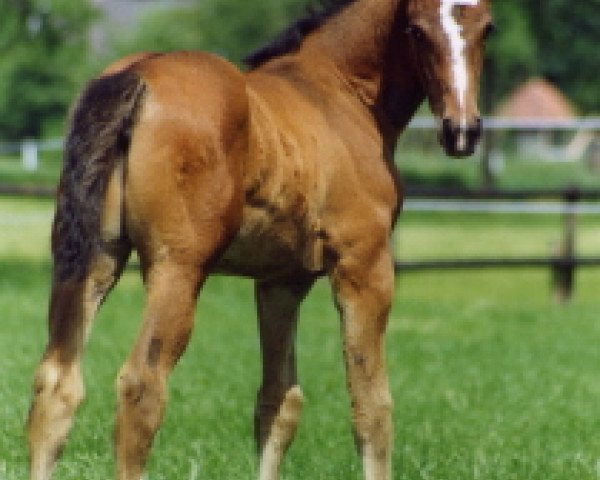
(491, 380)
(12, 172)
(465, 235)
(431, 167)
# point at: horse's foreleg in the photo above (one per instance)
(363, 295)
(279, 399)
(142, 382)
(58, 386)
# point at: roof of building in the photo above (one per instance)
(538, 99)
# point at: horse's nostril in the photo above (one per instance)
(447, 133)
(460, 139)
(475, 130)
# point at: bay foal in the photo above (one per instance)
(282, 173)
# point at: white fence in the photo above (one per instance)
(29, 149)
(523, 124)
(587, 128)
(494, 206)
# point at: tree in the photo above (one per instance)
(232, 28)
(512, 55)
(556, 39)
(568, 37)
(44, 53)
(42, 44)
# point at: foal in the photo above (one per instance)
(283, 173)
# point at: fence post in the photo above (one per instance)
(563, 269)
(488, 171)
(29, 155)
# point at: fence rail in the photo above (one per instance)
(501, 123)
(499, 263)
(563, 266)
(479, 206)
(27, 191)
(569, 203)
(50, 145)
(529, 194)
(418, 123)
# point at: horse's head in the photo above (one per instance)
(447, 38)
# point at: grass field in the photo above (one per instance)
(421, 168)
(491, 380)
(12, 172)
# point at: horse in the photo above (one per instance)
(283, 172)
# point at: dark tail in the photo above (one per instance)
(99, 135)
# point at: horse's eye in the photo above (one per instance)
(416, 32)
(489, 29)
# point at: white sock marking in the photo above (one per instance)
(282, 433)
(457, 49)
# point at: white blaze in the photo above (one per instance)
(457, 50)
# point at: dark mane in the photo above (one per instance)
(290, 39)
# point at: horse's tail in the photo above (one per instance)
(99, 136)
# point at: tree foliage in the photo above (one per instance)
(557, 39)
(43, 48)
(567, 33)
(511, 52)
(44, 52)
(231, 28)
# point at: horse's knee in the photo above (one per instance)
(136, 385)
(46, 378)
(61, 383)
(373, 423)
(57, 392)
(141, 392)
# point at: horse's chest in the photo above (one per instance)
(275, 240)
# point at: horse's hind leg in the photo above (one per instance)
(172, 289)
(279, 399)
(58, 386)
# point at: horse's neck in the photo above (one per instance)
(366, 44)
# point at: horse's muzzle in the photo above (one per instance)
(460, 140)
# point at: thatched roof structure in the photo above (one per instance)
(537, 99)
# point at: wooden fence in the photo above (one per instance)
(563, 266)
